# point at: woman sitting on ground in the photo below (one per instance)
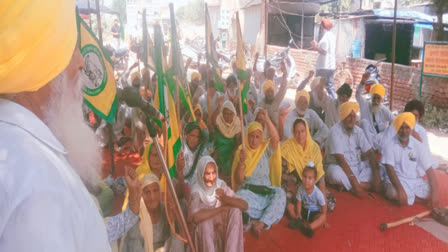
(297, 151)
(227, 137)
(215, 211)
(256, 174)
(193, 148)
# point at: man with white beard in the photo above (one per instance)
(47, 152)
(375, 117)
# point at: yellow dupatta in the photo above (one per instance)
(297, 157)
(253, 157)
(142, 170)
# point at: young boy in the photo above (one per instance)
(311, 210)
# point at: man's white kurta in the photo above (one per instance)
(44, 206)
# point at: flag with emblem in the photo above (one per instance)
(164, 102)
(97, 76)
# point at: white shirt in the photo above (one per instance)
(327, 43)
(409, 162)
(383, 118)
(44, 206)
(318, 130)
(351, 146)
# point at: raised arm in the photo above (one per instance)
(272, 130)
(283, 86)
(306, 80)
(359, 98)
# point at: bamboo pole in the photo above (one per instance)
(207, 82)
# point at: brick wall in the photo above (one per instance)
(407, 79)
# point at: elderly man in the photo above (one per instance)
(375, 117)
(347, 148)
(48, 155)
(195, 87)
(46, 149)
(318, 129)
(326, 60)
(407, 160)
(331, 105)
(271, 101)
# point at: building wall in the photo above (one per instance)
(407, 79)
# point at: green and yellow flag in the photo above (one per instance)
(211, 52)
(176, 69)
(148, 46)
(100, 93)
(241, 65)
(164, 102)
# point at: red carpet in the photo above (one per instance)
(354, 225)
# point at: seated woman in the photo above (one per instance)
(193, 148)
(297, 151)
(256, 175)
(227, 135)
(215, 211)
(152, 231)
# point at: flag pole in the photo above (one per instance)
(175, 66)
(109, 126)
(240, 90)
(207, 82)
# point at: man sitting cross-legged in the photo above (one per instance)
(350, 158)
(407, 160)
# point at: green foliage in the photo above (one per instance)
(436, 118)
(193, 12)
(120, 6)
(334, 6)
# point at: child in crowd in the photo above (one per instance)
(311, 210)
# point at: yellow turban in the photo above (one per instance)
(302, 93)
(134, 76)
(195, 75)
(406, 117)
(378, 89)
(347, 108)
(37, 40)
(267, 85)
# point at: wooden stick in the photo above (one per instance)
(240, 90)
(385, 226)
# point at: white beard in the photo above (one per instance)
(375, 108)
(64, 117)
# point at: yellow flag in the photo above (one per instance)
(97, 76)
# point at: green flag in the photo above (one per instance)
(241, 65)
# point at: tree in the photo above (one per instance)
(440, 7)
(193, 12)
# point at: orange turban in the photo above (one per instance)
(378, 89)
(406, 117)
(347, 108)
(302, 93)
(38, 38)
(267, 85)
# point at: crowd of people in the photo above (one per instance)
(235, 172)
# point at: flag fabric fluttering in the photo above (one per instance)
(148, 46)
(241, 65)
(211, 53)
(97, 76)
(176, 71)
(164, 102)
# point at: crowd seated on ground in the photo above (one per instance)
(241, 174)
